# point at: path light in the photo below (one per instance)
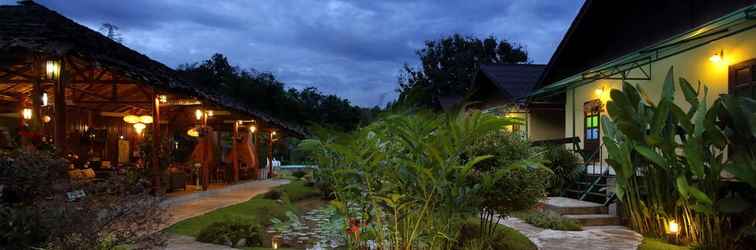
(139, 127)
(131, 119)
(52, 69)
(673, 227)
(26, 113)
(717, 57)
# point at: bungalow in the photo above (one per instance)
(109, 107)
(502, 89)
(609, 42)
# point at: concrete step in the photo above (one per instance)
(594, 219)
(564, 205)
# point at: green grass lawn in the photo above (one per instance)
(257, 210)
(656, 244)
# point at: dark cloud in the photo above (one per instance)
(350, 48)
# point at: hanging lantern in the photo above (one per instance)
(193, 132)
(52, 69)
(252, 129)
(163, 98)
(44, 99)
(198, 114)
(26, 113)
(131, 119)
(139, 127)
(146, 119)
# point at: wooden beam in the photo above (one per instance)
(37, 105)
(156, 141)
(235, 152)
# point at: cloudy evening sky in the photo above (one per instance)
(353, 49)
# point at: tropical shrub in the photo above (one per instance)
(564, 164)
(670, 160)
(299, 174)
(234, 234)
(405, 180)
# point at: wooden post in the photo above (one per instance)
(37, 106)
(208, 151)
(156, 143)
(20, 111)
(235, 152)
(60, 110)
(270, 154)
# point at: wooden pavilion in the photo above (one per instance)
(91, 96)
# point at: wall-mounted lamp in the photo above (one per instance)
(163, 98)
(252, 129)
(193, 132)
(46, 119)
(198, 114)
(26, 113)
(717, 57)
(44, 99)
(602, 94)
(52, 69)
(210, 113)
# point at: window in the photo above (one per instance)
(742, 79)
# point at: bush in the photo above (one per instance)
(299, 174)
(37, 214)
(234, 234)
(548, 220)
(274, 194)
(565, 164)
(503, 238)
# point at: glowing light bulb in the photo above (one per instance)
(26, 113)
(139, 127)
(674, 228)
(198, 114)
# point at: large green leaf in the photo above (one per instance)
(682, 186)
(668, 89)
(694, 154)
(699, 195)
(691, 95)
(660, 116)
(743, 171)
(651, 155)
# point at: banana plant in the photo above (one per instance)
(669, 158)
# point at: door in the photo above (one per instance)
(742, 79)
(591, 131)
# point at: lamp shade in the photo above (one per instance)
(131, 119)
(139, 127)
(146, 119)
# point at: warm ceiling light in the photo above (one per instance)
(717, 57)
(44, 99)
(163, 98)
(146, 119)
(131, 119)
(46, 119)
(52, 69)
(198, 114)
(192, 132)
(252, 129)
(139, 127)
(26, 113)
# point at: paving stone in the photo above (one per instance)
(596, 237)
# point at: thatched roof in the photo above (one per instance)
(30, 27)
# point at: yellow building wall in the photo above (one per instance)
(545, 125)
(693, 65)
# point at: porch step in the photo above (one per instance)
(564, 205)
(594, 219)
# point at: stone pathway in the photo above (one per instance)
(591, 238)
(196, 204)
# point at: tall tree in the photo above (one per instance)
(448, 66)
